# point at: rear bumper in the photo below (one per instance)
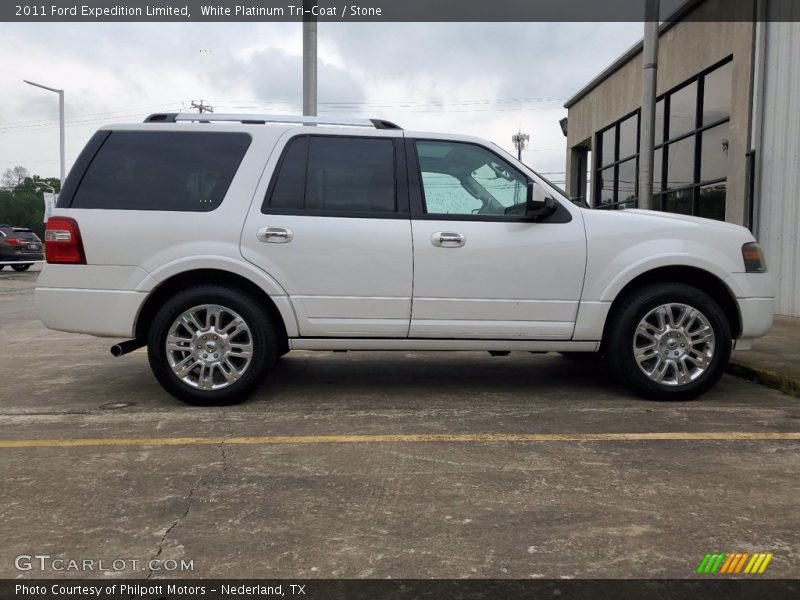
(105, 313)
(21, 257)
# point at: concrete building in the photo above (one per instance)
(727, 128)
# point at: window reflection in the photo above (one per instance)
(712, 201)
(717, 95)
(680, 163)
(628, 138)
(607, 186)
(626, 190)
(683, 111)
(715, 152)
(607, 143)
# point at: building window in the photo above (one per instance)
(691, 159)
(618, 152)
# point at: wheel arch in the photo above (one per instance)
(694, 276)
(280, 311)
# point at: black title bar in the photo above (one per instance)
(709, 588)
(385, 10)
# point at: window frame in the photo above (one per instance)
(417, 192)
(616, 162)
(401, 210)
(659, 195)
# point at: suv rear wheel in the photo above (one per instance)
(668, 341)
(211, 345)
(24, 267)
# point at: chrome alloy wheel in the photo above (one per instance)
(209, 347)
(674, 344)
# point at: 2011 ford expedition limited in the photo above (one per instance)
(222, 242)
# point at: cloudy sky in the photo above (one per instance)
(480, 79)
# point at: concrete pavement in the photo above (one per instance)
(626, 507)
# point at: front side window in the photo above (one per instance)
(335, 174)
(465, 179)
(159, 170)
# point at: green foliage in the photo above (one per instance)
(22, 201)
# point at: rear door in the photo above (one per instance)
(334, 230)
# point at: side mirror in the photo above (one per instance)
(538, 208)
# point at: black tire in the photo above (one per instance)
(2, 267)
(626, 315)
(265, 343)
(20, 268)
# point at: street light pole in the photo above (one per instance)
(309, 61)
(62, 155)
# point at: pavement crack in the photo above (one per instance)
(173, 526)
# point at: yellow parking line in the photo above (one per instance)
(404, 438)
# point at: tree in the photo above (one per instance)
(21, 201)
(14, 177)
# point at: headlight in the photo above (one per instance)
(753, 258)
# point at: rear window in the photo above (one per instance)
(26, 235)
(176, 171)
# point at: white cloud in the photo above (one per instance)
(475, 78)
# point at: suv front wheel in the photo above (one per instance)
(668, 341)
(211, 345)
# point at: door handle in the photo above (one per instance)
(448, 239)
(275, 235)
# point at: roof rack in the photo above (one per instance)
(263, 119)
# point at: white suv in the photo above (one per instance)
(221, 242)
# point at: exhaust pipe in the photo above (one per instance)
(126, 347)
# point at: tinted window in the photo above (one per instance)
(290, 183)
(350, 174)
(326, 173)
(138, 170)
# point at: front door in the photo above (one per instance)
(334, 231)
(481, 270)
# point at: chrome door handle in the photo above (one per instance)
(448, 239)
(275, 235)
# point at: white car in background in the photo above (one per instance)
(223, 241)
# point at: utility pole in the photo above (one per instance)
(521, 142)
(62, 151)
(648, 120)
(309, 60)
(202, 107)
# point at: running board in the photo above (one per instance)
(426, 344)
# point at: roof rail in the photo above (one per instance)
(263, 119)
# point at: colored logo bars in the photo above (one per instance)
(731, 563)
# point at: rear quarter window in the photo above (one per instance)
(171, 171)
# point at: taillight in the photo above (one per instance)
(14, 241)
(62, 241)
